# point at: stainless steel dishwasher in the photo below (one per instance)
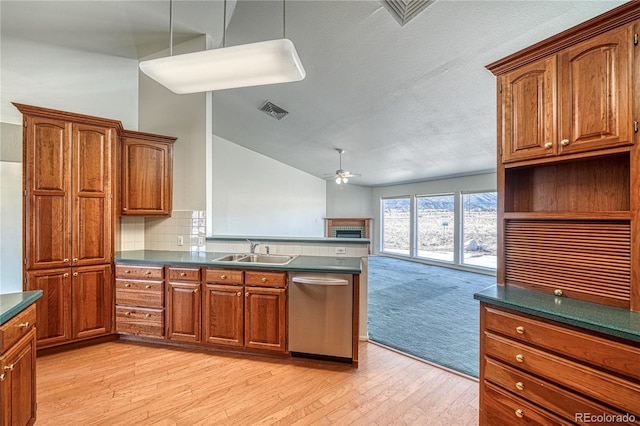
(321, 315)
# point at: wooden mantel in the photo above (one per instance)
(362, 222)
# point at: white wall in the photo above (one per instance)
(187, 117)
(256, 195)
(68, 80)
(349, 200)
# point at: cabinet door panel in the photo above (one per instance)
(596, 93)
(52, 309)
(18, 387)
(265, 318)
(91, 301)
(92, 212)
(183, 311)
(223, 315)
(47, 203)
(529, 115)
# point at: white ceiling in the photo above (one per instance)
(407, 103)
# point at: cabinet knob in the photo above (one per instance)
(8, 367)
(127, 271)
(2, 376)
(223, 277)
(65, 275)
(520, 386)
(519, 413)
(147, 315)
(246, 294)
(548, 145)
(147, 272)
(147, 286)
(183, 274)
(564, 142)
(239, 293)
(557, 292)
(520, 329)
(124, 209)
(127, 285)
(75, 259)
(128, 314)
(264, 279)
(75, 274)
(520, 358)
(24, 325)
(65, 260)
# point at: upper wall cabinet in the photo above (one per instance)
(147, 174)
(577, 100)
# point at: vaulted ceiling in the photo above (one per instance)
(406, 102)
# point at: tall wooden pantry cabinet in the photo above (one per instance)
(69, 212)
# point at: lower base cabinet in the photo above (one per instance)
(17, 370)
(536, 371)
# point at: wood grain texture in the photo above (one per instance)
(120, 383)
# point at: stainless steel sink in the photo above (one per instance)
(271, 259)
(274, 259)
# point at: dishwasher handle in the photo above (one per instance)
(320, 281)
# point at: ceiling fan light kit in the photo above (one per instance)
(253, 64)
(342, 176)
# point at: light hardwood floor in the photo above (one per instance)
(127, 383)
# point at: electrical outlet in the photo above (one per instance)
(341, 250)
(180, 240)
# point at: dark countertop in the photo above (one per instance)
(337, 264)
(13, 303)
(319, 240)
(605, 319)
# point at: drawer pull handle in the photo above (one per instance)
(127, 285)
(519, 413)
(147, 272)
(24, 325)
(264, 279)
(128, 314)
(147, 286)
(127, 271)
(557, 292)
(8, 367)
(520, 358)
(520, 386)
(520, 329)
(548, 145)
(183, 274)
(223, 277)
(147, 315)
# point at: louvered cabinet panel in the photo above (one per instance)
(588, 260)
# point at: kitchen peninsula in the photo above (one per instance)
(194, 298)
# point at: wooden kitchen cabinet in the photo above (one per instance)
(147, 174)
(533, 368)
(577, 100)
(17, 369)
(140, 300)
(68, 216)
(252, 315)
(183, 304)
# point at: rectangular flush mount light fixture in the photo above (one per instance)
(254, 64)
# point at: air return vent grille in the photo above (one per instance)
(273, 110)
(406, 10)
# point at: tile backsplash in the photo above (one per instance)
(139, 233)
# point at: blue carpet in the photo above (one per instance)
(426, 311)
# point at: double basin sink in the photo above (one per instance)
(270, 259)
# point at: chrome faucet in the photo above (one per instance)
(252, 249)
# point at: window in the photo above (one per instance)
(396, 225)
(479, 218)
(435, 227)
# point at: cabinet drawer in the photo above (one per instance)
(588, 381)
(184, 274)
(265, 279)
(16, 327)
(140, 321)
(140, 271)
(140, 293)
(227, 276)
(501, 408)
(541, 392)
(604, 353)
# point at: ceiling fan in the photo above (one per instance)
(342, 176)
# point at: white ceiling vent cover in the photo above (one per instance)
(405, 10)
(273, 110)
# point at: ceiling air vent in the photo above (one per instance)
(273, 110)
(405, 10)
